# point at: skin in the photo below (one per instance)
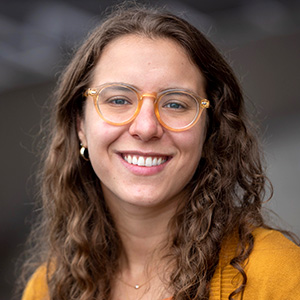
(140, 197)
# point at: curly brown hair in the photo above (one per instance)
(76, 232)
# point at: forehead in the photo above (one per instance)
(147, 63)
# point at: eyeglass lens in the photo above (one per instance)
(119, 104)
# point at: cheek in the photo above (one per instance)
(96, 130)
(100, 132)
(190, 147)
(198, 136)
(100, 138)
(191, 142)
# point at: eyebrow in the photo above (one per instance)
(120, 87)
(141, 91)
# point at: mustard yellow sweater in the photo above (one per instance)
(273, 271)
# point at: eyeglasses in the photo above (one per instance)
(119, 104)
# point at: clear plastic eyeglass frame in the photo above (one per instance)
(202, 104)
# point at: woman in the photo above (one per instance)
(152, 183)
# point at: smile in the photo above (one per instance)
(144, 161)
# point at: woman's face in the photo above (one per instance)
(151, 65)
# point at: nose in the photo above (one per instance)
(146, 125)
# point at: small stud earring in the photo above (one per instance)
(84, 153)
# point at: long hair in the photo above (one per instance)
(78, 241)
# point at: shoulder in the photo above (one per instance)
(37, 288)
(273, 268)
(271, 246)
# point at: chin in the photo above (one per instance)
(144, 201)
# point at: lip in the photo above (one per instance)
(160, 160)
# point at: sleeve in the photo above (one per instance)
(273, 268)
(37, 288)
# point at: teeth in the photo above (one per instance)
(154, 161)
(144, 161)
(134, 160)
(148, 162)
(141, 161)
(129, 159)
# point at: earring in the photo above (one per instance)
(84, 153)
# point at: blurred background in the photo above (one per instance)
(261, 40)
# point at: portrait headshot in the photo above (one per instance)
(162, 160)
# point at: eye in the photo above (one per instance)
(177, 102)
(174, 105)
(118, 101)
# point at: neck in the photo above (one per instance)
(144, 233)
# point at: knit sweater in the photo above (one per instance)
(273, 271)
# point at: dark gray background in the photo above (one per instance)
(261, 39)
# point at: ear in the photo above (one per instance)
(80, 124)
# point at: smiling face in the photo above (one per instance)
(143, 163)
